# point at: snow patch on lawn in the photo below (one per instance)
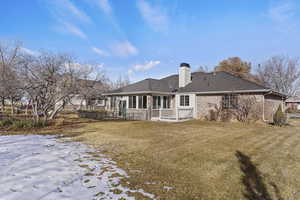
(42, 167)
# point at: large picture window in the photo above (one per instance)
(132, 102)
(184, 100)
(229, 101)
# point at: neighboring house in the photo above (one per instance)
(190, 96)
(293, 103)
(89, 96)
(77, 102)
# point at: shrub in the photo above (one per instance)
(279, 118)
(4, 123)
(226, 116)
(212, 115)
(27, 124)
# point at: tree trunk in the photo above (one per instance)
(27, 107)
(86, 104)
(12, 106)
(3, 104)
(57, 110)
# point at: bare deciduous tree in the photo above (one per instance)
(9, 82)
(49, 80)
(281, 73)
(203, 68)
(122, 81)
(247, 109)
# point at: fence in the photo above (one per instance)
(162, 114)
(15, 117)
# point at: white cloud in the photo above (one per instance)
(99, 51)
(30, 52)
(65, 9)
(154, 17)
(281, 12)
(124, 49)
(71, 28)
(146, 66)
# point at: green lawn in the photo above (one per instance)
(202, 160)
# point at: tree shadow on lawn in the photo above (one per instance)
(255, 188)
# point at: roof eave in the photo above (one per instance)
(231, 91)
(137, 92)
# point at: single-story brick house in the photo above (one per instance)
(189, 95)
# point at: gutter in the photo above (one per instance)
(230, 92)
(139, 92)
(208, 92)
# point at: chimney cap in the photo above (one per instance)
(185, 65)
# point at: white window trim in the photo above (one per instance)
(184, 106)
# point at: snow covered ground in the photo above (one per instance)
(43, 167)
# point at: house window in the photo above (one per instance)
(132, 102)
(142, 102)
(229, 101)
(100, 102)
(156, 102)
(166, 102)
(184, 100)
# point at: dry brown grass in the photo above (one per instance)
(202, 160)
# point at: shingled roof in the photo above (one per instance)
(201, 83)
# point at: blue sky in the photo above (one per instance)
(150, 38)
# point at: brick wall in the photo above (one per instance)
(205, 103)
(271, 105)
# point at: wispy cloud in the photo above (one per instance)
(29, 51)
(281, 12)
(130, 71)
(153, 16)
(282, 15)
(146, 66)
(66, 10)
(99, 51)
(71, 28)
(104, 6)
(68, 17)
(124, 49)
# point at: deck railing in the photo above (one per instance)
(176, 114)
